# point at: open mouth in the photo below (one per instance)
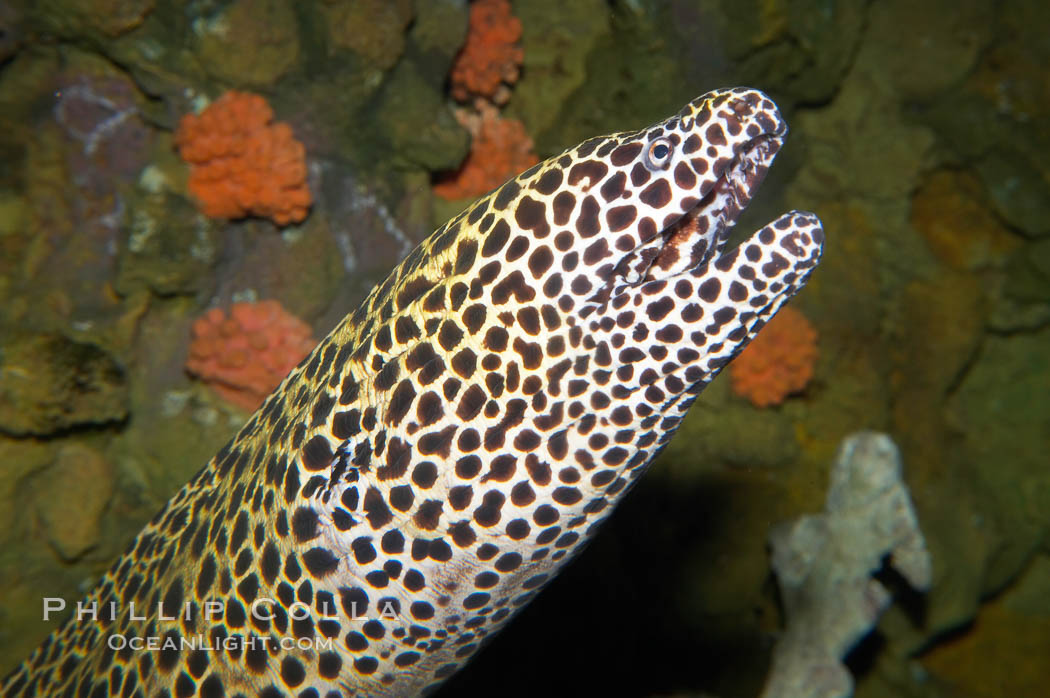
(702, 231)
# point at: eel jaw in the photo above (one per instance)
(694, 322)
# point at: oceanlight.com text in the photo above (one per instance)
(233, 643)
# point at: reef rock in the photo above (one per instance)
(372, 29)
(1000, 415)
(83, 475)
(165, 247)
(251, 42)
(49, 383)
(95, 19)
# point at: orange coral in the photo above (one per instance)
(490, 57)
(242, 162)
(778, 362)
(500, 150)
(246, 355)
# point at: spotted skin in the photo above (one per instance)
(456, 440)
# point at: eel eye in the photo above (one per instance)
(659, 155)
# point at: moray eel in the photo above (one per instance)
(457, 439)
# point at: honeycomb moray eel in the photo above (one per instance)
(456, 440)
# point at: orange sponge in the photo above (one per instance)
(778, 362)
(491, 56)
(247, 354)
(242, 162)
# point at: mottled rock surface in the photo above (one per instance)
(71, 495)
(49, 383)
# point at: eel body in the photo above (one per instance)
(457, 439)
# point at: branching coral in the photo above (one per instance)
(242, 162)
(245, 355)
(826, 565)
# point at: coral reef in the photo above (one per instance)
(778, 362)
(998, 420)
(166, 247)
(1004, 652)
(252, 42)
(49, 383)
(560, 44)
(10, 31)
(243, 163)
(79, 473)
(384, 40)
(95, 19)
(824, 565)
(777, 43)
(500, 149)
(417, 123)
(94, 110)
(83, 150)
(64, 193)
(491, 58)
(951, 212)
(245, 355)
(438, 32)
